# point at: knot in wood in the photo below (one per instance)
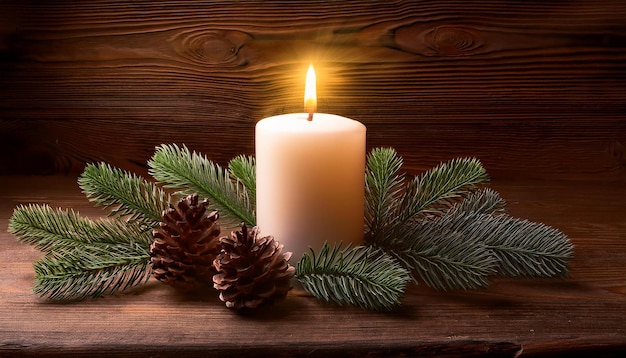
(442, 40)
(217, 47)
(212, 48)
(450, 41)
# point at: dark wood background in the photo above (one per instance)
(532, 88)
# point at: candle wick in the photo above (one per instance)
(310, 116)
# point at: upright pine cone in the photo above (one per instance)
(252, 270)
(185, 244)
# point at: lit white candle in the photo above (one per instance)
(310, 171)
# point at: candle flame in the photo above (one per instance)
(310, 95)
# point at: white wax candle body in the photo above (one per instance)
(310, 180)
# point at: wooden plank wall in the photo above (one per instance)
(535, 89)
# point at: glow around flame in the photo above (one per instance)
(310, 95)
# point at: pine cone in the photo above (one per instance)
(252, 270)
(185, 244)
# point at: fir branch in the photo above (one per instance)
(389, 208)
(72, 273)
(53, 229)
(178, 168)
(440, 186)
(438, 255)
(360, 276)
(484, 201)
(84, 257)
(128, 195)
(441, 256)
(243, 168)
(462, 248)
(525, 249)
(383, 187)
(522, 248)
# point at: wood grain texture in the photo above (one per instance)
(582, 316)
(534, 89)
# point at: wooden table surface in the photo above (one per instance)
(584, 314)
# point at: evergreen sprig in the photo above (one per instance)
(525, 249)
(390, 202)
(484, 201)
(126, 194)
(191, 172)
(243, 169)
(360, 276)
(84, 257)
(441, 257)
(439, 227)
(383, 187)
(51, 229)
(450, 234)
(440, 187)
(521, 248)
(91, 271)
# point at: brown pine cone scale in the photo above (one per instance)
(185, 244)
(252, 270)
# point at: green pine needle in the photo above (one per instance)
(441, 186)
(243, 169)
(436, 255)
(442, 257)
(446, 233)
(484, 201)
(383, 187)
(52, 229)
(462, 248)
(92, 271)
(526, 249)
(178, 168)
(522, 248)
(388, 204)
(361, 276)
(84, 257)
(126, 194)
